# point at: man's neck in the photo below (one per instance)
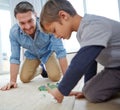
(32, 36)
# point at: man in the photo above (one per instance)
(40, 48)
(99, 38)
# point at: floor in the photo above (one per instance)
(28, 97)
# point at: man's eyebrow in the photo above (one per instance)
(21, 22)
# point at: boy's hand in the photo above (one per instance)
(78, 95)
(56, 94)
(9, 86)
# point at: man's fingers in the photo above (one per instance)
(3, 88)
(9, 86)
(15, 85)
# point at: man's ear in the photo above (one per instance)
(63, 15)
(35, 14)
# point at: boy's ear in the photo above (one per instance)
(63, 15)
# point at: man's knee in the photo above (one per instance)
(24, 78)
(54, 77)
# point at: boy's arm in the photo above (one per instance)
(90, 71)
(80, 62)
(77, 68)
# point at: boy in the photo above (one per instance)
(99, 38)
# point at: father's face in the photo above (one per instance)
(27, 22)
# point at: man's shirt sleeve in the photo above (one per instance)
(58, 47)
(15, 50)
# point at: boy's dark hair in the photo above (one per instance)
(51, 10)
(23, 7)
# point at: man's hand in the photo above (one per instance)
(78, 95)
(9, 86)
(56, 94)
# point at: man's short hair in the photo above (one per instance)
(23, 7)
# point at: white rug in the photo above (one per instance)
(28, 97)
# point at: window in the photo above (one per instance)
(98, 7)
(72, 44)
(5, 24)
(106, 8)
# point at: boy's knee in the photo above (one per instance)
(94, 96)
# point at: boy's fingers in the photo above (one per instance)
(79, 96)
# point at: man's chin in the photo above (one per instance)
(29, 33)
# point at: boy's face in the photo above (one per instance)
(27, 22)
(61, 29)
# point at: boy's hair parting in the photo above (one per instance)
(23, 7)
(51, 10)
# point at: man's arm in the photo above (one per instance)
(14, 63)
(58, 47)
(14, 69)
(64, 64)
